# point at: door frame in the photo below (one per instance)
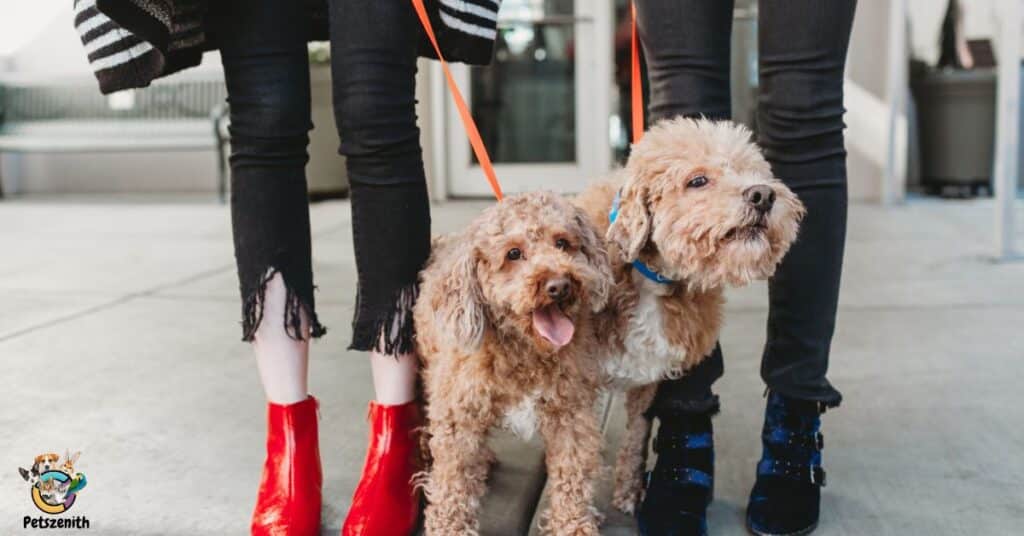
(593, 100)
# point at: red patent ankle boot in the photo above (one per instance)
(288, 503)
(385, 503)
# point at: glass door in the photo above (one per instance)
(543, 105)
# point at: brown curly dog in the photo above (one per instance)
(505, 328)
(696, 203)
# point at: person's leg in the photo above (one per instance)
(374, 47)
(282, 361)
(391, 236)
(686, 47)
(267, 75)
(686, 44)
(803, 46)
(373, 63)
(394, 377)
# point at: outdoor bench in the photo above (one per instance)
(74, 118)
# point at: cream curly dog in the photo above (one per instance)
(696, 203)
(506, 329)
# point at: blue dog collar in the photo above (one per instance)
(637, 264)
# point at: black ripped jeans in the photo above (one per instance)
(266, 67)
(802, 52)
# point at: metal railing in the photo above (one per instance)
(36, 101)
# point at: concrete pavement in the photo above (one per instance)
(119, 337)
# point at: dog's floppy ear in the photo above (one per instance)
(632, 225)
(597, 255)
(460, 314)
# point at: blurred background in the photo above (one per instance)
(117, 275)
(552, 105)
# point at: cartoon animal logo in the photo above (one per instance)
(54, 482)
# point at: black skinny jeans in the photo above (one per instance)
(266, 67)
(802, 52)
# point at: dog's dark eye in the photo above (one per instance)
(697, 182)
(562, 244)
(514, 254)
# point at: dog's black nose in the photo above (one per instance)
(761, 197)
(558, 288)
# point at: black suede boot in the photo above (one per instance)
(681, 486)
(786, 496)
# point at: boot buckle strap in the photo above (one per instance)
(817, 475)
(685, 475)
(689, 442)
(782, 436)
(812, 473)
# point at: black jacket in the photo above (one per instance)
(130, 43)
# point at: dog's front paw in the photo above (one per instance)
(587, 526)
(444, 527)
(586, 529)
(489, 457)
(626, 496)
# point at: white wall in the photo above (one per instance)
(49, 45)
(54, 50)
(866, 100)
(24, 20)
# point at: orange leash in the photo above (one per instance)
(467, 118)
(636, 83)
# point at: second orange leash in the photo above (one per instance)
(636, 82)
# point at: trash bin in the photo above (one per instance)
(956, 113)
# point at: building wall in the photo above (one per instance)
(866, 100)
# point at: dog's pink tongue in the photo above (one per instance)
(553, 325)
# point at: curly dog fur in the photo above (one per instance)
(686, 210)
(486, 295)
